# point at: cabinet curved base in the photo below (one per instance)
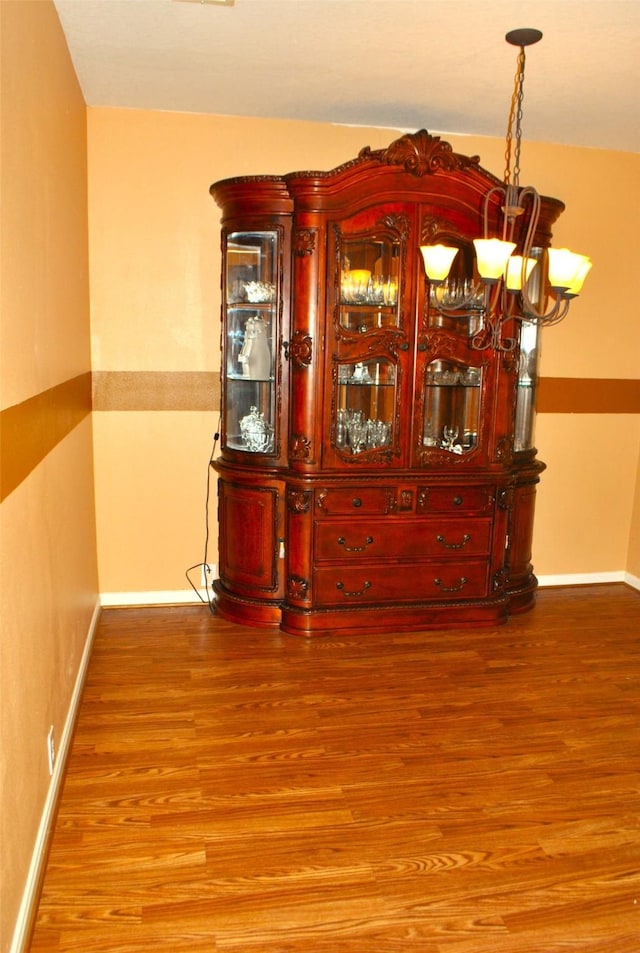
(244, 611)
(375, 620)
(523, 597)
(391, 619)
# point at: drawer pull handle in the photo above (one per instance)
(354, 549)
(457, 500)
(465, 539)
(461, 585)
(360, 592)
(357, 501)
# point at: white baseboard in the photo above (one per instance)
(172, 597)
(169, 597)
(589, 579)
(30, 895)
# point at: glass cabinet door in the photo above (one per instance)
(369, 283)
(451, 406)
(366, 398)
(251, 336)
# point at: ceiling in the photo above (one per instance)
(442, 65)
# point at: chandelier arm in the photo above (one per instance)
(530, 311)
(489, 335)
(563, 305)
(556, 313)
(497, 189)
(482, 340)
(468, 303)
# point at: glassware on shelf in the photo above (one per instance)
(255, 354)
(360, 374)
(256, 433)
(357, 433)
(359, 286)
(457, 292)
(451, 406)
(468, 376)
(449, 439)
(260, 291)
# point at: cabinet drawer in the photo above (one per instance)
(357, 501)
(456, 499)
(363, 539)
(378, 583)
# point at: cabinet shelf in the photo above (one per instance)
(367, 308)
(239, 378)
(449, 384)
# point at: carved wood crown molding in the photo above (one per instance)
(422, 154)
(434, 227)
(419, 152)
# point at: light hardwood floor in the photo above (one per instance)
(472, 791)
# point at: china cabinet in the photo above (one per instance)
(377, 467)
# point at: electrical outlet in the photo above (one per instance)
(51, 749)
(208, 574)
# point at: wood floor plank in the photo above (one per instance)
(474, 791)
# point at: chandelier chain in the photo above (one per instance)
(515, 124)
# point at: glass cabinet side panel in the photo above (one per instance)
(365, 402)
(527, 386)
(251, 334)
(369, 275)
(451, 406)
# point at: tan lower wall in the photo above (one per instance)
(633, 554)
(590, 533)
(163, 424)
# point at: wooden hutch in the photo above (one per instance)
(377, 468)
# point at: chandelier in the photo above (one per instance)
(504, 289)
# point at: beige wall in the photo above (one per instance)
(48, 556)
(155, 264)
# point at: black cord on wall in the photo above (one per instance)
(204, 565)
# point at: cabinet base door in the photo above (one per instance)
(250, 531)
